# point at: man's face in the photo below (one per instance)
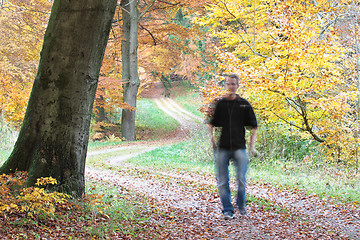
(231, 85)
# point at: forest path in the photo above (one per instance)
(185, 205)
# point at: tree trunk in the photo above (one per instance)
(54, 136)
(130, 66)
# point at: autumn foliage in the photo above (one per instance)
(31, 201)
(290, 57)
(28, 211)
(298, 60)
(22, 26)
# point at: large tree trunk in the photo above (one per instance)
(130, 66)
(54, 135)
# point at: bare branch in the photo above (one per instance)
(170, 3)
(147, 9)
(147, 30)
(299, 106)
(122, 8)
(309, 128)
(288, 122)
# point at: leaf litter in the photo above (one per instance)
(192, 210)
(184, 205)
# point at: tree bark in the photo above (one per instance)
(54, 135)
(129, 48)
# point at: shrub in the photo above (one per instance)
(32, 201)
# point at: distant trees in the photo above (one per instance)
(22, 27)
(348, 30)
(151, 39)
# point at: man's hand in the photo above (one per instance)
(253, 152)
(213, 143)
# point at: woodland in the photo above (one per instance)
(79, 79)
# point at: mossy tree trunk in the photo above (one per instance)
(54, 135)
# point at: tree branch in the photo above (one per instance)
(146, 9)
(147, 30)
(306, 121)
(170, 3)
(290, 123)
(303, 114)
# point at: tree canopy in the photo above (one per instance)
(291, 58)
(298, 60)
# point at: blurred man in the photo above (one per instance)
(232, 113)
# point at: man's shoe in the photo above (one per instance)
(243, 211)
(228, 215)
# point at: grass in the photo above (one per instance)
(8, 137)
(170, 157)
(97, 160)
(119, 212)
(101, 144)
(4, 154)
(326, 181)
(151, 117)
(191, 102)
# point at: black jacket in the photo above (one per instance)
(233, 116)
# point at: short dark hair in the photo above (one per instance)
(235, 76)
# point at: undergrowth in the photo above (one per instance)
(102, 213)
(288, 161)
(32, 201)
(109, 203)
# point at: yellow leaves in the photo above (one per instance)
(45, 181)
(288, 57)
(8, 208)
(29, 200)
(96, 202)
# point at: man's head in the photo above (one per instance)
(232, 83)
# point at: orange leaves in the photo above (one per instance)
(22, 25)
(210, 93)
(109, 94)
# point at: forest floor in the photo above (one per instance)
(184, 205)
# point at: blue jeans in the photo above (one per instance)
(222, 161)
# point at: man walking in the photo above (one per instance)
(232, 113)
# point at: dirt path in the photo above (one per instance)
(193, 207)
